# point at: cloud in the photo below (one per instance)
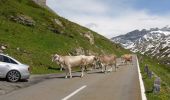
(78, 6)
(109, 18)
(91, 25)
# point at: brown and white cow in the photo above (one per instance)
(126, 58)
(107, 60)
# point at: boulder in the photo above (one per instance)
(157, 85)
(89, 36)
(56, 26)
(58, 22)
(23, 19)
(3, 47)
(89, 52)
(77, 51)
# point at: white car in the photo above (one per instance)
(12, 69)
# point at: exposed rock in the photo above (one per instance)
(40, 2)
(89, 52)
(3, 47)
(56, 26)
(55, 30)
(77, 51)
(18, 49)
(23, 19)
(88, 35)
(58, 22)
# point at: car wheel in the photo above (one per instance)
(13, 76)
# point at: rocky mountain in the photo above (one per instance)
(154, 42)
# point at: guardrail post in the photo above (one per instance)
(157, 85)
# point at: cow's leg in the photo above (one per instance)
(102, 65)
(69, 69)
(85, 68)
(123, 61)
(115, 67)
(61, 67)
(105, 69)
(66, 70)
(131, 61)
(111, 68)
(82, 71)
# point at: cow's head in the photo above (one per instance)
(55, 57)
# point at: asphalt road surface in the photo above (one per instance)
(120, 85)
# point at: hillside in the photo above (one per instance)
(154, 42)
(159, 70)
(31, 34)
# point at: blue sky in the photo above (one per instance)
(154, 6)
(114, 17)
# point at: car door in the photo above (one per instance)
(3, 66)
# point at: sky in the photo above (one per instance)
(111, 18)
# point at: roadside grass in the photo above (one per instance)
(34, 45)
(161, 71)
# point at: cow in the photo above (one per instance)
(107, 60)
(90, 61)
(67, 62)
(126, 58)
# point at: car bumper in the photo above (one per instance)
(25, 76)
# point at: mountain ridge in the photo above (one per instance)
(154, 42)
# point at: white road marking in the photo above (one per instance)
(73, 93)
(141, 83)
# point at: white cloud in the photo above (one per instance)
(105, 19)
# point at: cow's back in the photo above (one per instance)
(73, 60)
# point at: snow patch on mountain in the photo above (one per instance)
(154, 42)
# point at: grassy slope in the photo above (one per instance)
(161, 71)
(38, 43)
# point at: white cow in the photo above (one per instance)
(68, 62)
(90, 61)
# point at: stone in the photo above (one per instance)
(150, 74)
(157, 85)
(18, 49)
(146, 69)
(157, 81)
(58, 22)
(156, 88)
(23, 19)
(3, 47)
(89, 36)
(77, 51)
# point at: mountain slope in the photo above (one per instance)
(154, 42)
(31, 34)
